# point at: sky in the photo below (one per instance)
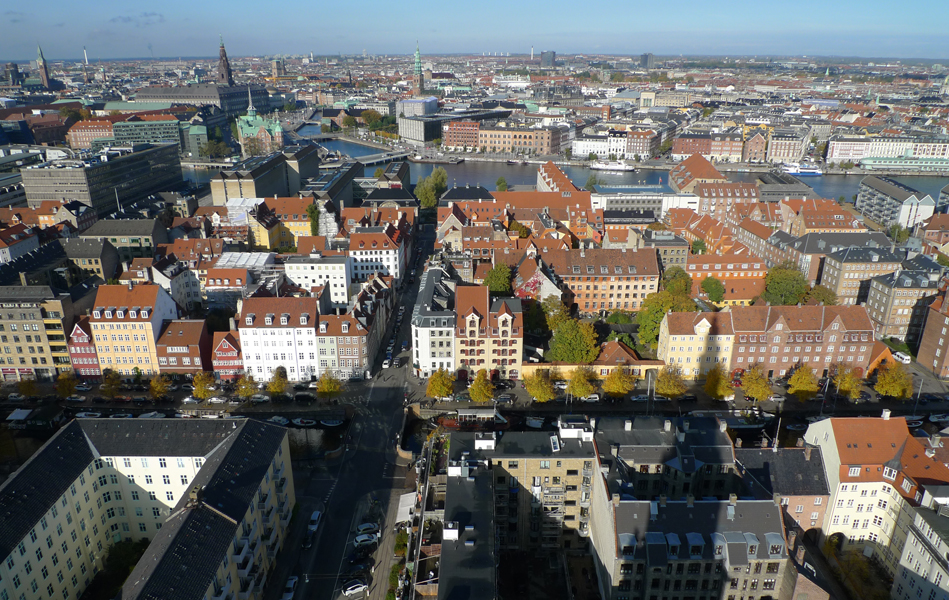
(173, 28)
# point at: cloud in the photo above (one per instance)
(14, 16)
(144, 19)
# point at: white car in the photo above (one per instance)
(354, 588)
(290, 588)
(658, 398)
(88, 415)
(75, 399)
(191, 400)
(315, 518)
(83, 388)
(313, 385)
(903, 358)
(15, 397)
(366, 539)
(591, 398)
(560, 385)
(367, 528)
(259, 398)
(386, 363)
(217, 400)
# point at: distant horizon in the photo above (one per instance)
(118, 30)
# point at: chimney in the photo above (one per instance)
(628, 425)
(732, 499)
(777, 499)
(800, 554)
(807, 453)
(886, 414)
(667, 426)
(792, 539)
(662, 500)
(764, 442)
(800, 442)
(232, 324)
(130, 286)
(722, 426)
(615, 499)
(685, 425)
(593, 422)
(690, 500)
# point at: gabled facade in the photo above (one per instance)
(226, 352)
(184, 348)
(489, 334)
(82, 351)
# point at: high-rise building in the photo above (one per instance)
(548, 59)
(647, 61)
(224, 76)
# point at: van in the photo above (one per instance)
(903, 358)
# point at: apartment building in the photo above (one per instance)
(878, 474)
(888, 201)
(335, 273)
(433, 323)
(460, 135)
(17, 241)
(132, 238)
(898, 303)
(755, 149)
(489, 334)
(691, 172)
(226, 356)
(848, 273)
(787, 145)
(82, 351)
(924, 568)
(184, 348)
(377, 250)
(808, 251)
(93, 257)
(177, 279)
(725, 146)
(291, 222)
(933, 354)
(101, 480)
(126, 323)
(716, 199)
(599, 280)
(672, 250)
(542, 483)
(508, 136)
(696, 342)
(741, 264)
(83, 133)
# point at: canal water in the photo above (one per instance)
(487, 173)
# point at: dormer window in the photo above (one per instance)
(133, 314)
(776, 549)
(108, 314)
(145, 313)
(323, 327)
(345, 326)
(284, 319)
(752, 550)
(303, 318)
(249, 320)
(120, 314)
(97, 314)
(268, 320)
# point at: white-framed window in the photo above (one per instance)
(889, 473)
(854, 471)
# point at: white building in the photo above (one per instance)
(888, 201)
(433, 319)
(856, 148)
(924, 568)
(99, 481)
(876, 471)
(279, 332)
(376, 250)
(333, 272)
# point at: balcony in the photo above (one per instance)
(584, 530)
(250, 536)
(272, 550)
(555, 489)
(585, 500)
(239, 556)
(268, 516)
(246, 567)
(221, 592)
(262, 502)
(278, 474)
(285, 517)
(585, 485)
(281, 485)
(260, 582)
(270, 535)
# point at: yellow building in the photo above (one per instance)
(489, 334)
(126, 321)
(281, 222)
(696, 342)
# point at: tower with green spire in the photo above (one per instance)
(417, 76)
(41, 67)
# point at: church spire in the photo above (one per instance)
(224, 75)
(251, 111)
(42, 68)
(417, 75)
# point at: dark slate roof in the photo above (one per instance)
(863, 255)
(153, 437)
(787, 472)
(114, 227)
(891, 187)
(30, 492)
(184, 556)
(827, 243)
(513, 444)
(389, 194)
(467, 568)
(458, 194)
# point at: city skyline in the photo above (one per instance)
(177, 28)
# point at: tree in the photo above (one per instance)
(847, 380)
(574, 342)
(501, 184)
(214, 149)
(26, 387)
(328, 385)
(581, 383)
(785, 285)
(159, 387)
(371, 117)
(624, 338)
(714, 288)
(349, 121)
(425, 193)
(481, 389)
(591, 181)
(440, 384)
(540, 387)
(657, 226)
(278, 382)
(110, 384)
(138, 375)
(676, 281)
(203, 382)
(669, 383)
(942, 259)
(803, 383)
(439, 179)
(898, 233)
(717, 383)
(65, 385)
(618, 383)
(379, 173)
(755, 384)
(498, 279)
(698, 247)
(654, 308)
(894, 381)
(591, 157)
(555, 311)
(313, 214)
(246, 386)
(822, 294)
(568, 153)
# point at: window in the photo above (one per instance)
(889, 473)
(854, 471)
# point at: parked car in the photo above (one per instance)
(315, 518)
(75, 399)
(259, 398)
(355, 587)
(366, 539)
(313, 385)
(367, 528)
(308, 539)
(560, 384)
(290, 588)
(217, 400)
(639, 398)
(88, 415)
(591, 398)
(188, 387)
(191, 400)
(83, 388)
(659, 398)
(16, 397)
(386, 363)
(901, 357)
(688, 398)
(505, 399)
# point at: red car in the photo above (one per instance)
(736, 382)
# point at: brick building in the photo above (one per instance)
(898, 303)
(457, 135)
(933, 353)
(82, 352)
(184, 348)
(226, 356)
(755, 148)
(489, 334)
(599, 280)
(848, 272)
(691, 172)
